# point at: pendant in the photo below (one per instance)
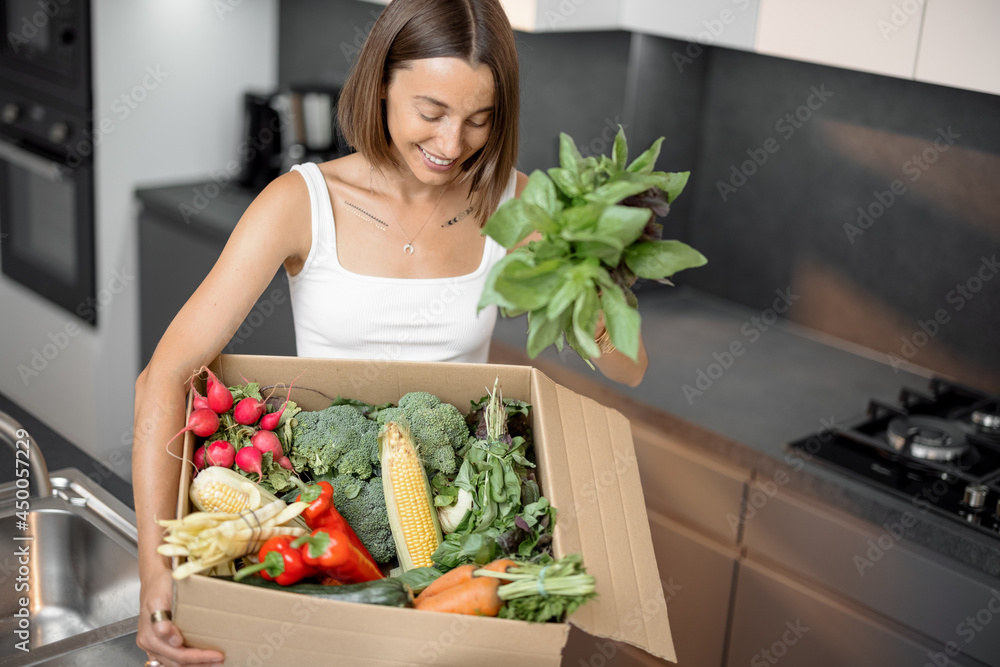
(408, 248)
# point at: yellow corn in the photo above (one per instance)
(412, 518)
(218, 489)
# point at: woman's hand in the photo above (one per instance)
(615, 365)
(162, 640)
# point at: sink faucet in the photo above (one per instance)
(13, 432)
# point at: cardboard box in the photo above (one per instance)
(587, 468)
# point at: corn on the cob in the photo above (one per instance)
(219, 489)
(412, 518)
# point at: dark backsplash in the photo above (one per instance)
(782, 155)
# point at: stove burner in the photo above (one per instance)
(928, 438)
(987, 420)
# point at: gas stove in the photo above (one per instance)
(939, 449)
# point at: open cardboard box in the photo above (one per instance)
(587, 469)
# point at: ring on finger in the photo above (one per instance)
(160, 615)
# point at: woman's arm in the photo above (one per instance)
(615, 365)
(274, 228)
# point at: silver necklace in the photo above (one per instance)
(408, 248)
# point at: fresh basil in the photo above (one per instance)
(597, 220)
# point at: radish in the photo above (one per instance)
(220, 399)
(220, 453)
(248, 411)
(271, 421)
(199, 457)
(266, 441)
(202, 422)
(285, 463)
(199, 400)
(249, 459)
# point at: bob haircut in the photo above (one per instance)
(478, 32)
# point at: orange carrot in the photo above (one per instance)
(476, 597)
(501, 565)
(451, 578)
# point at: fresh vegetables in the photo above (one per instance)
(220, 399)
(280, 562)
(218, 489)
(477, 596)
(331, 552)
(438, 429)
(337, 440)
(322, 513)
(387, 592)
(208, 539)
(549, 590)
(599, 235)
(449, 579)
(414, 522)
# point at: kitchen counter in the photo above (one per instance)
(721, 377)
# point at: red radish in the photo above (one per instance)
(199, 400)
(248, 411)
(199, 457)
(266, 441)
(285, 463)
(220, 399)
(271, 421)
(249, 459)
(220, 453)
(202, 422)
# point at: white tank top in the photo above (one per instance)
(344, 315)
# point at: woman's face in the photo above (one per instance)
(439, 112)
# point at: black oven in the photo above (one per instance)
(46, 48)
(46, 152)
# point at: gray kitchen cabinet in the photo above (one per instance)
(679, 482)
(173, 260)
(778, 620)
(875, 566)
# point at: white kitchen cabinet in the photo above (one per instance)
(729, 23)
(877, 36)
(959, 45)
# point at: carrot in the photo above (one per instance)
(476, 597)
(501, 565)
(451, 578)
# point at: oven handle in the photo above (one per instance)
(52, 171)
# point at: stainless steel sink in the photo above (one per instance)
(78, 583)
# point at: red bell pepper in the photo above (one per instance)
(332, 553)
(280, 562)
(322, 513)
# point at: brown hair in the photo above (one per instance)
(476, 31)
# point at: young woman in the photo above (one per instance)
(368, 241)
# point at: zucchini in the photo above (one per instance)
(388, 592)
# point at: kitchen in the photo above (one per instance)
(845, 293)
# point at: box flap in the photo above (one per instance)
(606, 520)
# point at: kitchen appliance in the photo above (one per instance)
(263, 127)
(314, 121)
(46, 152)
(938, 449)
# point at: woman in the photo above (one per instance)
(431, 109)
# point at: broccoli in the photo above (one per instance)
(362, 504)
(335, 440)
(438, 429)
